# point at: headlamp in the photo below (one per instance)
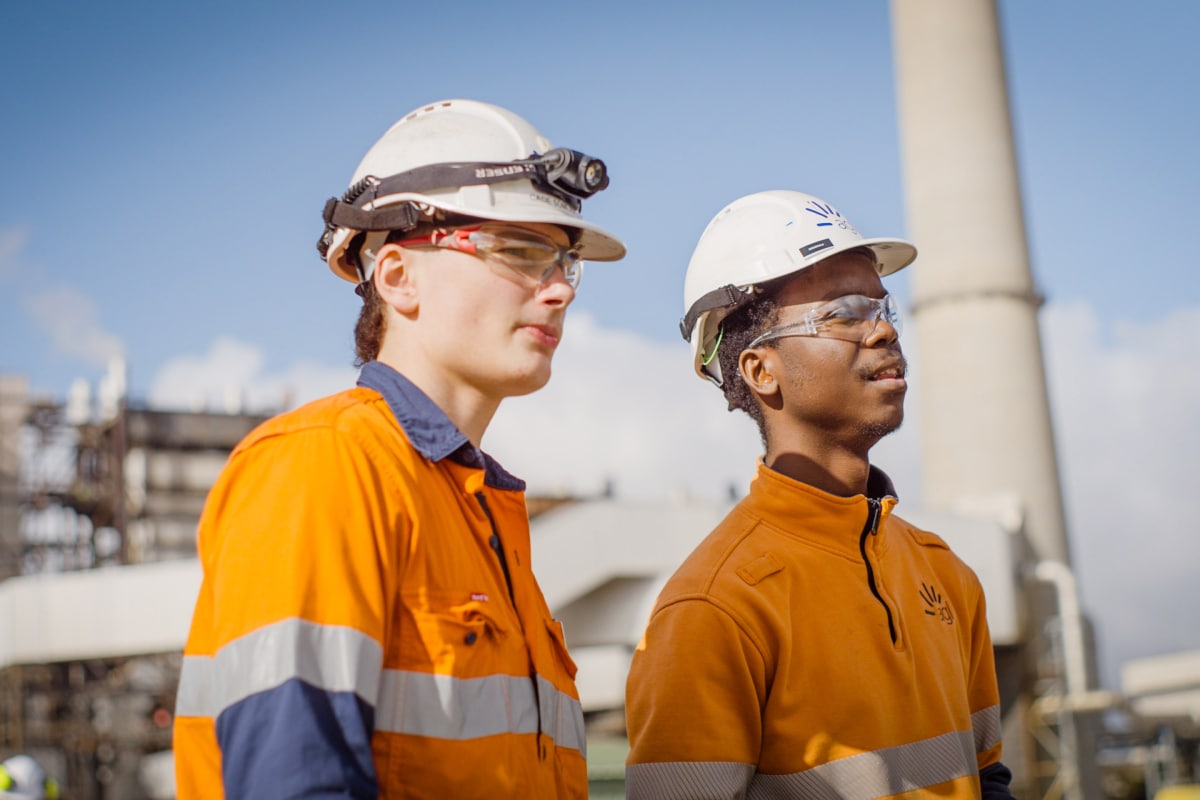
(572, 171)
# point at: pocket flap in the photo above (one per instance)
(559, 640)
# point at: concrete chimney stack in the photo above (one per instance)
(984, 413)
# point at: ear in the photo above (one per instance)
(394, 279)
(757, 368)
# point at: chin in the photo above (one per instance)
(880, 428)
(527, 383)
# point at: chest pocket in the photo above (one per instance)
(465, 640)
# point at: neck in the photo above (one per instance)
(469, 409)
(833, 469)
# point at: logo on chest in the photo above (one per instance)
(935, 605)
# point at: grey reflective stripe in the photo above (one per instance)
(445, 707)
(987, 728)
(688, 780)
(195, 696)
(562, 717)
(340, 659)
(330, 657)
(881, 773)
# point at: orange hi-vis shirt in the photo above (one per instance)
(368, 624)
(816, 646)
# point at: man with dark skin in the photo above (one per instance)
(814, 644)
(825, 403)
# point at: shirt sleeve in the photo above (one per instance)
(294, 603)
(994, 781)
(694, 700)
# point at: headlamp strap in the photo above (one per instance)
(452, 174)
(393, 218)
(728, 296)
(442, 176)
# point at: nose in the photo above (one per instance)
(556, 290)
(883, 332)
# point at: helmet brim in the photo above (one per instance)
(594, 242)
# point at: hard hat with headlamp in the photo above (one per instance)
(757, 239)
(462, 159)
(22, 778)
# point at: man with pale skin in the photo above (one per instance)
(369, 625)
(469, 340)
(815, 644)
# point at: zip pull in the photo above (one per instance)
(873, 514)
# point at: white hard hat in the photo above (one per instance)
(21, 777)
(465, 158)
(756, 239)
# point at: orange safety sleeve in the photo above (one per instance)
(284, 657)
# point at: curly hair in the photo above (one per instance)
(738, 330)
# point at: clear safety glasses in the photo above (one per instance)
(852, 318)
(527, 254)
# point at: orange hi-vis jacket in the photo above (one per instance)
(368, 624)
(816, 646)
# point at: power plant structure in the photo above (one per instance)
(94, 492)
(985, 417)
(987, 442)
(986, 434)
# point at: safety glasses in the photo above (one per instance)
(851, 318)
(524, 253)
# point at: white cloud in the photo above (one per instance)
(1124, 404)
(623, 409)
(230, 377)
(70, 320)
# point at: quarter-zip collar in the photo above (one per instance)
(427, 427)
(826, 520)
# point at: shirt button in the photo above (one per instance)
(470, 637)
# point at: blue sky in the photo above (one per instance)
(170, 160)
(163, 168)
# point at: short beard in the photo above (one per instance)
(873, 432)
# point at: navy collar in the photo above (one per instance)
(879, 485)
(428, 428)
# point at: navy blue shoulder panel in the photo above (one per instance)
(298, 741)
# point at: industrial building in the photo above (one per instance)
(93, 492)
